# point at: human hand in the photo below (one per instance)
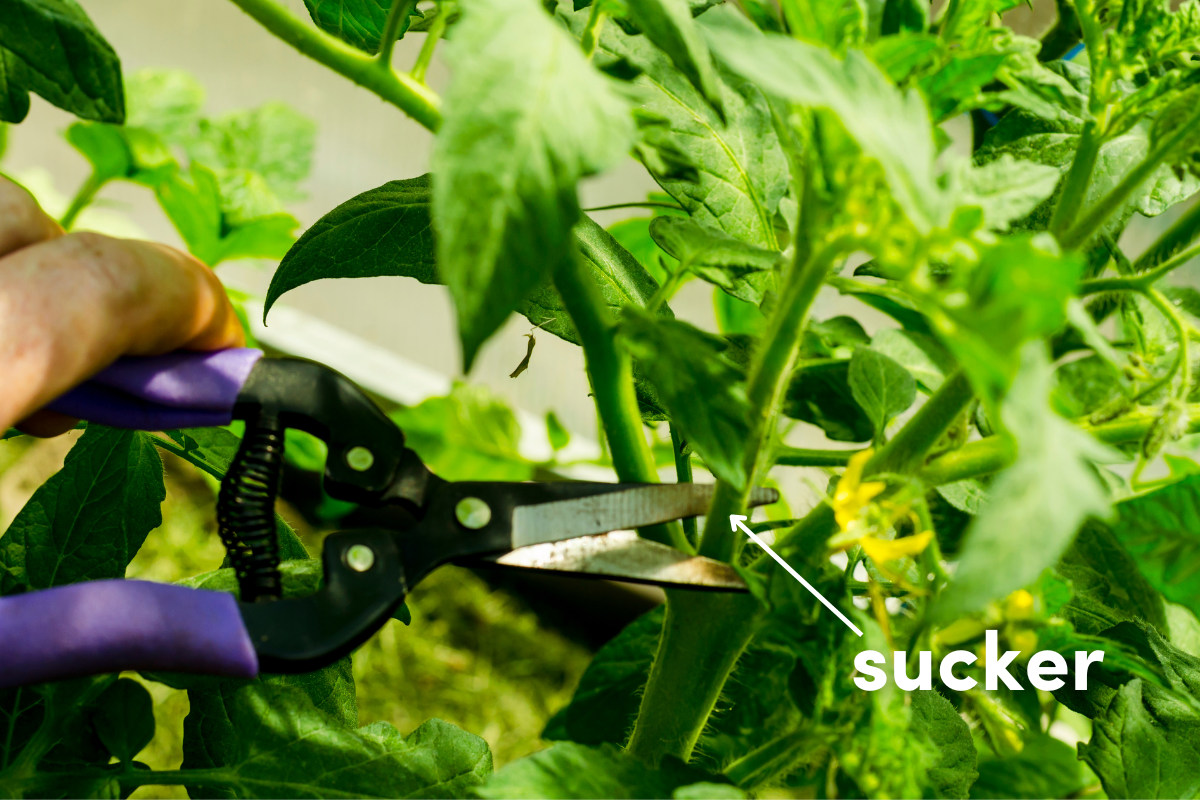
(71, 304)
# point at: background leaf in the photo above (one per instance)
(714, 255)
(668, 23)
(358, 23)
(88, 521)
(880, 386)
(684, 363)
(124, 719)
(51, 47)
(522, 127)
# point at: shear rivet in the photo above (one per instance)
(473, 513)
(360, 558)
(360, 458)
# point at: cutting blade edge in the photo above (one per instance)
(625, 556)
(615, 511)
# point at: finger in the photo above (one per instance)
(46, 423)
(22, 221)
(71, 306)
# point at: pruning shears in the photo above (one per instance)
(112, 625)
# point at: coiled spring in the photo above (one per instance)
(246, 511)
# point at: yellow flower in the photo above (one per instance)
(852, 496)
(884, 550)
(1019, 605)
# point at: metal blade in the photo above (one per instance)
(614, 511)
(623, 555)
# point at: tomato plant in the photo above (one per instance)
(1007, 449)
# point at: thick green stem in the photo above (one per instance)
(611, 372)
(1096, 216)
(703, 636)
(410, 96)
(770, 372)
(1078, 179)
(82, 199)
(434, 34)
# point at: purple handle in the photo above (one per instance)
(108, 626)
(153, 393)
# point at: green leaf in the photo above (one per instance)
(124, 719)
(89, 520)
(384, 231)
(742, 170)
(605, 703)
(51, 47)
(1005, 189)
(559, 436)
(358, 23)
(890, 125)
(122, 153)
(935, 719)
(904, 15)
(714, 255)
(272, 144)
(881, 387)
(166, 102)
(1106, 584)
(523, 125)
(921, 355)
(1145, 744)
(819, 392)
(1036, 505)
(1161, 530)
(668, 23)
(567, 770)
(684, 363)
(737, 316)
(195, 209)
(287, 746)
(836, 24)
(1045, 767)
(469, 435)
(1017, 290)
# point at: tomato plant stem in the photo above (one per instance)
(1078, 179)
(592, 29)
(611, 373)
(1083, 230)
(398, 13)
(770, 372)
(434, 34)
(409, 95)
(82, 199)
(703, 636)
(1141, 281)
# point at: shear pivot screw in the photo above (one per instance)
(360, 458)
(360, 558)
(473, 513)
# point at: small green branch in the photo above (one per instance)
(436, 29)
(590, 39)
(1173, 240)
(683, 474)
(82, 199)
(611, 372)
(769, 375)
(410, 96)
(398, 14)
(1097, 215)
(803, 457)
(644, 204)
(1142, 281)
(1078, 179)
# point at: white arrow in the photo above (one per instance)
(738, 521)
